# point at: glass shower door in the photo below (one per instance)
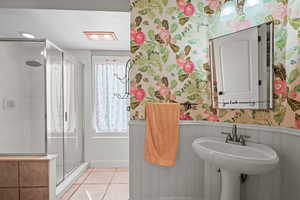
(22, 97)
(55, 122)
(73, 114)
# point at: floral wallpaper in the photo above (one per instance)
(169, 46)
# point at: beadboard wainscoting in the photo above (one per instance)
(193, 179)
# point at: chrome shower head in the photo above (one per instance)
(33, 63)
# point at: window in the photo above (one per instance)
(110, 112)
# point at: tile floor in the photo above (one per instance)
(100, 184)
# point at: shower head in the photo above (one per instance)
(33, 63)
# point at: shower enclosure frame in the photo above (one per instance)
(45, 151)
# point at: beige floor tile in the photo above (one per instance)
(104, 169)
(69, 193)
(117, 192)
(83, 177)
(122, 170)
(99, 177)
(90, 169)
(89, 192)
(121, 177)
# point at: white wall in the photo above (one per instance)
(102, 5)
(99, 151)
(192, 179)
(22, 121)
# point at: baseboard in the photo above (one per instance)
(69, 180)
(109, 163)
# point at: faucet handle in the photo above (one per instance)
(228, 136)
(245, 136)
(226, 133)
(242, 139)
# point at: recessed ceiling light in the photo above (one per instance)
(27, 35)
(94, 37)
(100, 35)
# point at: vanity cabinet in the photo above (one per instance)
(27, 178)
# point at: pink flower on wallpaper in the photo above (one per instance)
(185, 117)
(181, 4)
(188, 66)
(279, 10)
(158, 27)
(293, 95)
(139, 38)
(214, 4)
(140, 94)
(280, 86)
(240, 25)
(164, 91)
(165, 35)
(132, 34)
(172, 97)
(180, 62)
(297, 123)
(213, 117)
(133, 89)
(189, 10)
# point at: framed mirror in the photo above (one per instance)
(242, 68)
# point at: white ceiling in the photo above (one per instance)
(100, 5)
(65, 27)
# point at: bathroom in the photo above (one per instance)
(175, 51)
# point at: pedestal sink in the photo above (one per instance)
(233, 160)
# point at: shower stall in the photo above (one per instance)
(41, 96)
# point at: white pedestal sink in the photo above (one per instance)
(233, 160)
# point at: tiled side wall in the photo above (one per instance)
(192, 179)
(24, 180)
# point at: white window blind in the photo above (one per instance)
(111, 112)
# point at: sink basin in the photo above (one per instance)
(233, 160)
(253, 159)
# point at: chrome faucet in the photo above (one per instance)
(234, 133)
(234, 138)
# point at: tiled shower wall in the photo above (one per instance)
(192, 179)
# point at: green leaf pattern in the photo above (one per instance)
(172, 35)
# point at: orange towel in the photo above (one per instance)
(162, 137)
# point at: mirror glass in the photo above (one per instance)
(242, 68)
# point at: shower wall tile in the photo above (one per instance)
(34, 193)
(34, 173)
(9, 176)
(9, 194)
(28, 177)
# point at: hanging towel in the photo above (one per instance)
(162, 135)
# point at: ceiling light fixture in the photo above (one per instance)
(27, 35)
(100, 35)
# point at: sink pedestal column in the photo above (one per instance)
(230, 188)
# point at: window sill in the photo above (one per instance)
(111, 135)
